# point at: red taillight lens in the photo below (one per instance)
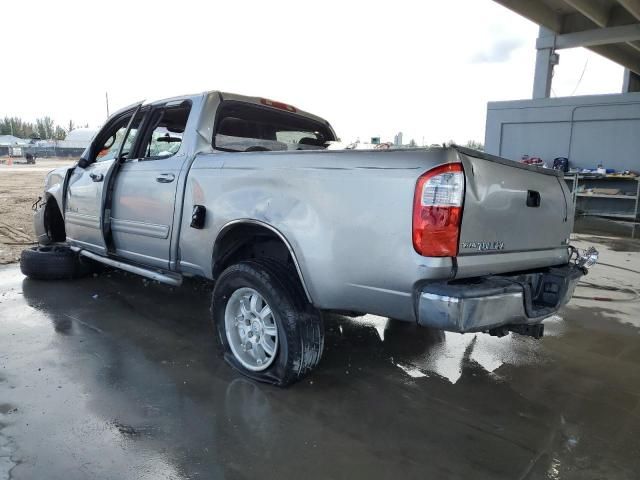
(280, 105)
(437, 211)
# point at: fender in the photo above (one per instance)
(55, 188)
(279, 234)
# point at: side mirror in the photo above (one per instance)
(83, 163)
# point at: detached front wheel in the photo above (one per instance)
(52, 262)
(265, 326)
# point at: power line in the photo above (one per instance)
(581, 76)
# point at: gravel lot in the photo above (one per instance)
(20, 186)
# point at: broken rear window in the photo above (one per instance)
(243, 127)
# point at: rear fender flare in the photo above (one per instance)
(249, 221)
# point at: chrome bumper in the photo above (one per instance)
(484, 304)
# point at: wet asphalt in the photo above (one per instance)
(114, 377)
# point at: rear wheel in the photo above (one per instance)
(251, 329)
(266, 328)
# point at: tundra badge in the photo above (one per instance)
(484, 246)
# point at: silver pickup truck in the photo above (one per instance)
(243, 191)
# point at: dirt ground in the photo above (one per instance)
(20, 186)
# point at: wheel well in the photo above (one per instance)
(53, 221)
(245, 241)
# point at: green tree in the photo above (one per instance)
(59, 133)
(15, 126)
(45, 127)
(474, 144)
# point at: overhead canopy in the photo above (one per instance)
(608, 27)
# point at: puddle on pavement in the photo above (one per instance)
(422, 352)
(613, 243)
(130, 383)
(7, 450)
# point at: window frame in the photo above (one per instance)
(146, 125)
(107, 132)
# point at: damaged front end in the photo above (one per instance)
(498, 304)
(48, 220)
(39, 226)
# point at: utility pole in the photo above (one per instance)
(106, 96)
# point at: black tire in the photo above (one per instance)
(52, 262)
(300, 329)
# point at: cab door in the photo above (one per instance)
(144, 197)
(84, 197)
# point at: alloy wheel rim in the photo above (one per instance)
(251, 329)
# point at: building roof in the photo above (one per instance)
(608, 27)
(11, 140)
(81, 135)
(78, 138)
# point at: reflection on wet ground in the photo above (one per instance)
(612, 232)
(116, 377)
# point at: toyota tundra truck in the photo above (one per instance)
(244, 192)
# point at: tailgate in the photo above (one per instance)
(509, 207)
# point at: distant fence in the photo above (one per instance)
(46, 152)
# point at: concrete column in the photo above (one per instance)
(546, 59)
(631, 82)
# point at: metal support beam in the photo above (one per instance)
(546, 59)
(615, 53)
(591, 38)
(632, 6)
(535, 11)
(631, 82)
(625, 52)
(592, 9)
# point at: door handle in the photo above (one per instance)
(96, 177)
(165, 178)
(533, 198)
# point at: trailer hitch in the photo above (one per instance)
(585, 260)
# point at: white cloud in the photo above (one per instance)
(370, 68)
(499, 50)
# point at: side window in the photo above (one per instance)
(115, 137)
(163, 135)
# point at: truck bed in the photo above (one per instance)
(348, 217)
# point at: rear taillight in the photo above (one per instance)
(280, 105)
(437, 211)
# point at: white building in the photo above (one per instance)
(78, 138)
(10, 140)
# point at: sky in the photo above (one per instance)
(372, 68)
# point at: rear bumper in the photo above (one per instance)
(483, 304)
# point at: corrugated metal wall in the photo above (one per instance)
(589, 130)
